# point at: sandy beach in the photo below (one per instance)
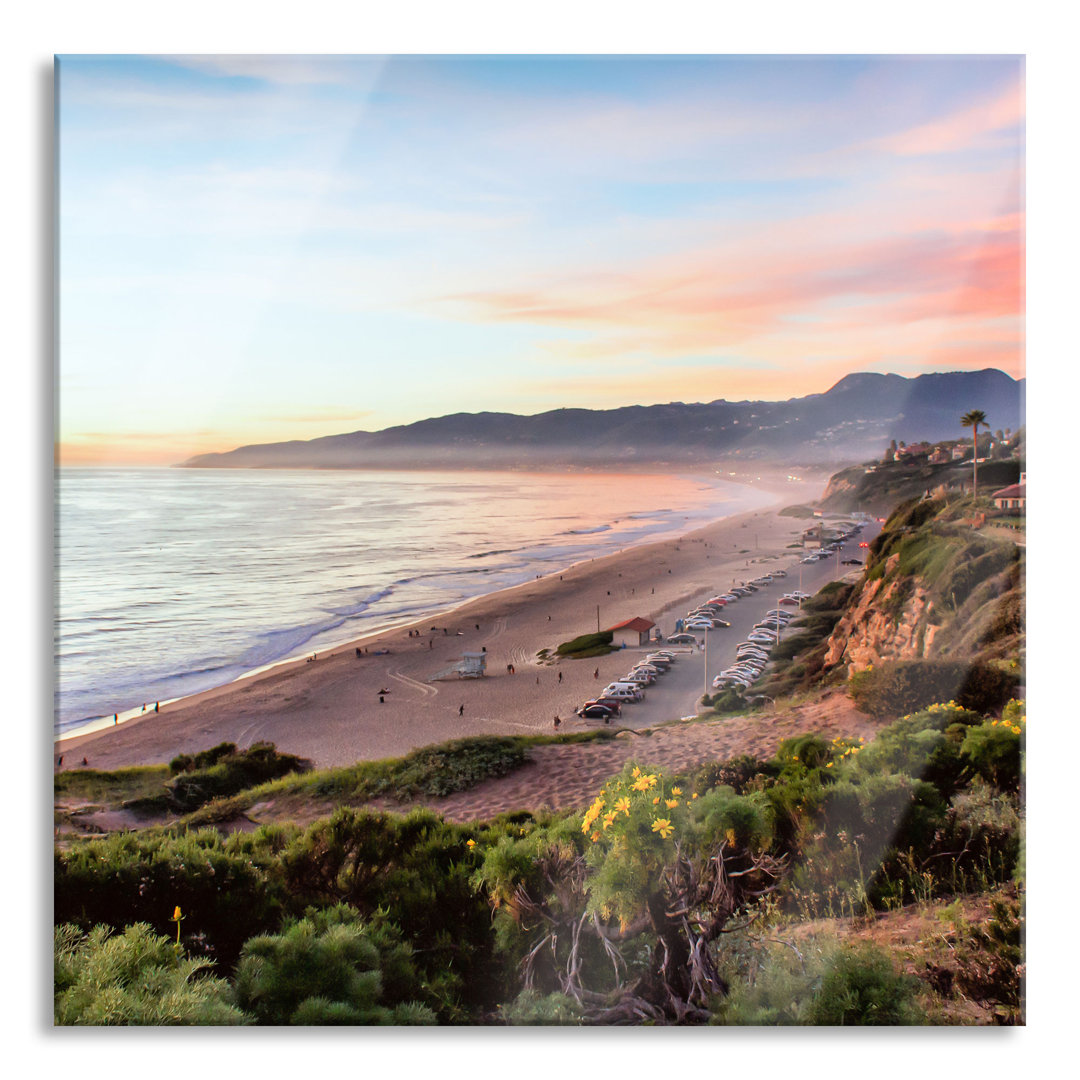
(329, 709)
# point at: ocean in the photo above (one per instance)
(175, 581)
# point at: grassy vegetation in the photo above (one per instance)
(587, 645)
(426, 773)
(109, 788)
(369, 917)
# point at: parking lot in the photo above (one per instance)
(679, 691)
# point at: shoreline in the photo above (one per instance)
(726, 496)
(339, 719)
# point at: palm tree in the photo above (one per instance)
(972, 420)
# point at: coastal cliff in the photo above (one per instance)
(886, 620)
(935, 588)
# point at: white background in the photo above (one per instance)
(32, 34)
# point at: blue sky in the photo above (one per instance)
(263, 248)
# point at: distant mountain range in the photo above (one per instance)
(851, 422)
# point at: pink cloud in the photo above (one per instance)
(973, 127)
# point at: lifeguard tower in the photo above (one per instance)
(472, 665)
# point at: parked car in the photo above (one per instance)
(779, 573)
(623, 692)
(610, 703)
(851, 562)
(682, 639)
(699, 624)
(596, 712)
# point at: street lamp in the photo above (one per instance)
(706, 693)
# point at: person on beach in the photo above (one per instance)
(560, 676)
(358, 652)
(461, 710)
(557, 721)
(596, 674)
(156, 706)
(60, 761)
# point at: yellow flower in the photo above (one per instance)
(624, 805)
(641, 784)
(828, 764)
(656, 800)
(470, 844)
(663, 826)
(176, 916)
(694, 796)
(609, 817)
(636, 773)
(676, 791)
(671, 803)
(1016, 731)
(595, 837)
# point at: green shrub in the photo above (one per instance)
(994, 752)
(224, 770)
(861, 986)
(896, 687)
(726, 701)
(534, 1009)
(590, 644)
(454, 766)
(418, 867)
(230, 889)
(133, 978)
(803, 753)
(741, 774)
(328, 969)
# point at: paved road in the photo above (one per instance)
(678, 693)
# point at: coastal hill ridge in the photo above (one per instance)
(852, 420)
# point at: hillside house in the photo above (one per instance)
(1013, 497)
(632, 633)
(914, 450)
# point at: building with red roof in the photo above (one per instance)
(632, 632)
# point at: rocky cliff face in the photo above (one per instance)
(886, 620)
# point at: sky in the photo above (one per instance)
(264, 248)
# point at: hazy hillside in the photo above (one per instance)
(853, 420)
